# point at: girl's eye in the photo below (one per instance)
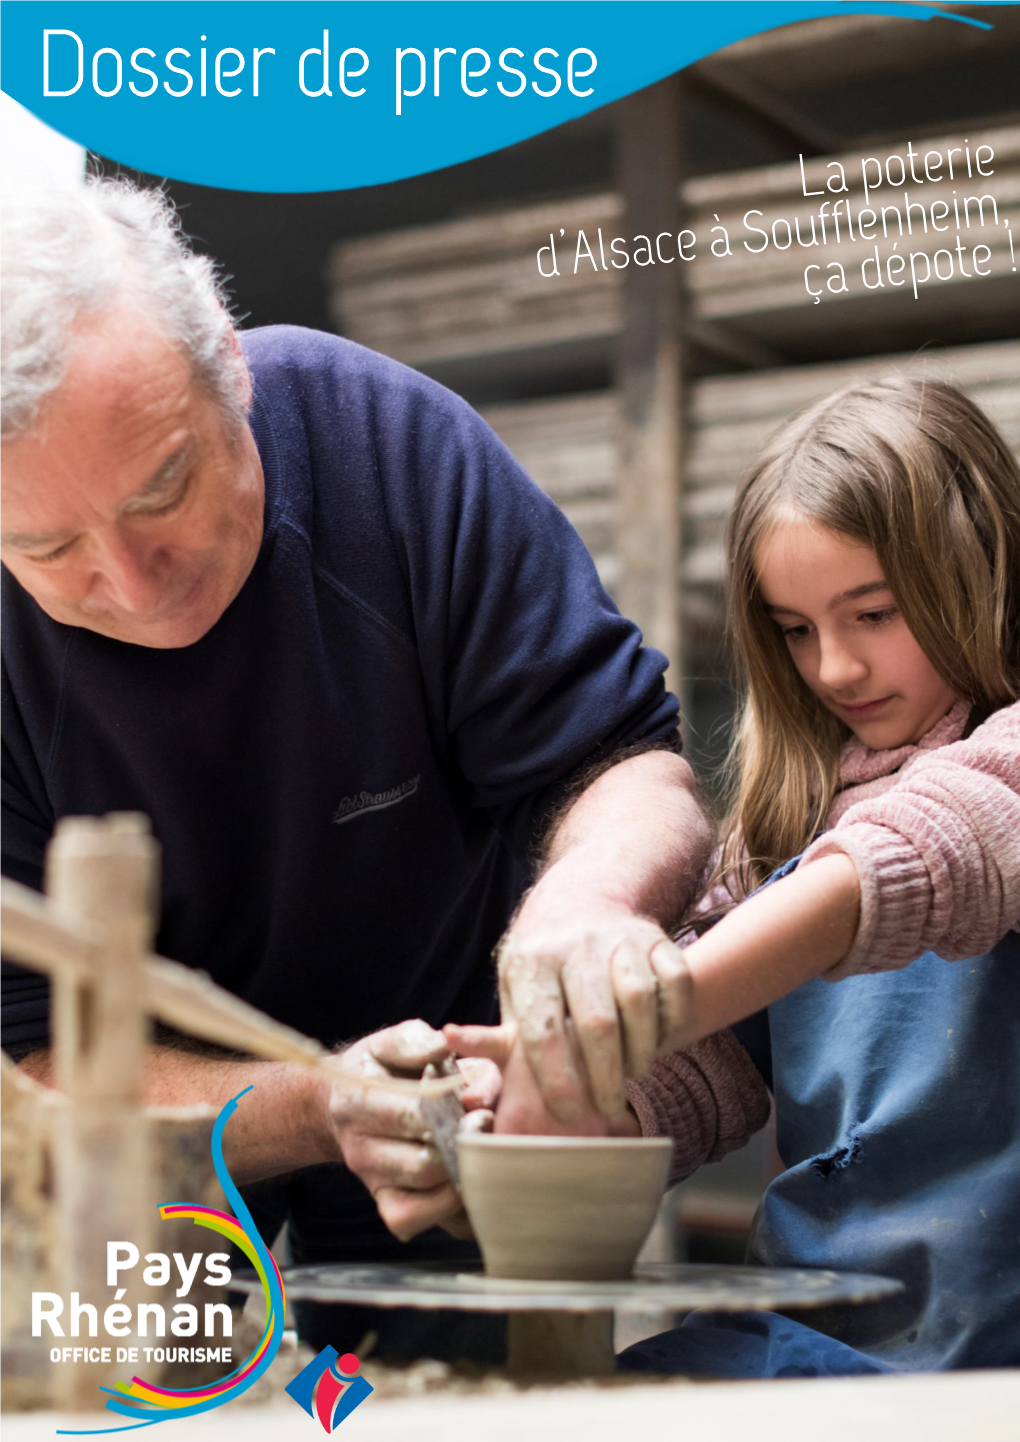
(795, 633)
(878, 618)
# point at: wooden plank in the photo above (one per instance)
(725, 398)
(649, 371)
(466, 288)
(52, 939)
(43, 935)
(104, 870)
(192, 1003)
(570, 446)
(26, 1238)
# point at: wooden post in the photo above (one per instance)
(649, 370)
(105, 870)
(561, 1345)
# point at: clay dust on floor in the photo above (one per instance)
(419, 1379)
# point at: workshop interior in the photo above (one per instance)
(637, 398)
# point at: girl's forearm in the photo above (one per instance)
(794, 930)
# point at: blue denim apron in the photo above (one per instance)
(898, 1121)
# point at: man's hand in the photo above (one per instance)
(298, 1118)
(589, 943)
(384, 1139)
(521, 1110)
(624, 985)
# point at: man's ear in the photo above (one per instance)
(233, 340)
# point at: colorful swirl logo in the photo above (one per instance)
(146, 1404)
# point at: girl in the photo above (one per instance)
(873, 841)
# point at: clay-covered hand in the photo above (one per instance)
(521, 1108)
(623, 984)
(383, 1137)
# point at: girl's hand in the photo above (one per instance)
(521, 1109)
(789, 932)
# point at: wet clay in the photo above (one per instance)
(562, 1208)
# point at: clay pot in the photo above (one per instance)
(564, 1208)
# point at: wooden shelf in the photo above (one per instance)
(545, 358)
(570, 446)
(465, 291)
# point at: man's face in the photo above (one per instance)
(128, 509)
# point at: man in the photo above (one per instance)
(299, 605)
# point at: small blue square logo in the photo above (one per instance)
(329, 1388)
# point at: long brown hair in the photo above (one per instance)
(916, 471)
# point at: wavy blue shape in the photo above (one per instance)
(283, 140)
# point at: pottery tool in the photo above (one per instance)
(443, 1115)
(49, 936)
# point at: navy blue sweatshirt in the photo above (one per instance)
(346, 772)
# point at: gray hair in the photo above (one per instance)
(72, 253)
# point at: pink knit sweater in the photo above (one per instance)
(934, 832)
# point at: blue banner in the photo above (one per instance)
(301, 95)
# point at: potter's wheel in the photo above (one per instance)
(567, 1327)
(655, 1286)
